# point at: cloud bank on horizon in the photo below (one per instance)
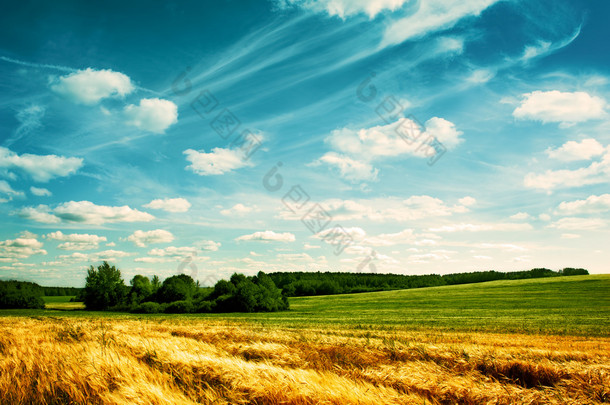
(315, 135)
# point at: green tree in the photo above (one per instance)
(141, 289)
(104, 287)
(177, 288)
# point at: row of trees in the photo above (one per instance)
(307, 283)
(105, 289)
(20, 294)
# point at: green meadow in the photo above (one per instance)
(578, 305)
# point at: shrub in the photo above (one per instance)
(148, 308)
(19, 294)
(179, 307)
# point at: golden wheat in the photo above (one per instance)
(131, 361)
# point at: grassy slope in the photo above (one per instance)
(577, 305)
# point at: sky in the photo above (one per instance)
(387, 136)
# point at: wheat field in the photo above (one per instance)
(110, 360)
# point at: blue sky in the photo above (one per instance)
(411, 137)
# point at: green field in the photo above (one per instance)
(578, 305)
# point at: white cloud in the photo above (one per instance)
(219, 161)
(431, 16)
(562, 107)
(41, 168)
(169, 204)
(110, 255)
(143, 238)
(295, 257)
(90, 86)
(464, 227)
(544, 217)
(76, 241)
(384, 140)
(6, 189)
(595, 173)
(387, 209)
(208, 245)
(467, 201)
(153, 114)
(40, 192)
(520, 216)
(20, 248)
(307, 246)
(268, 236)
(173, 251)
(349, 169)
(391, 239)
(569, 236)
(592, 204)
(355, 149)
(39, 214)
(347, 8)
(84, 212)
(575, 223)
(239, 210)
(571, 151)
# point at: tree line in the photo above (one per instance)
(20, 294)
(106, 290)
(295, 284)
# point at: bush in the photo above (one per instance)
(179, 307)
(148, 308)
(203, 307)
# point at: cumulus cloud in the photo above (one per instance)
(41, 168)
(348, 168)
(520, 216)
(208, 245)
(152, 114)
(90, 86)
(595, 173)
(355, 149)
(562, 107)
(173, 251)
(384, 140)
(40, 192)
(571, 151)
(143, 238)
(169, 204)
(268, 236)
(593, 204)
(219, 161)
(20, 248)
(239, 210)
(76, 241)
(84, 212)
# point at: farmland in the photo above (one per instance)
(527, 341)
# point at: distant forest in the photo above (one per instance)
(307, 283)
(236, 294)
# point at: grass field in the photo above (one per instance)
(542, 341)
